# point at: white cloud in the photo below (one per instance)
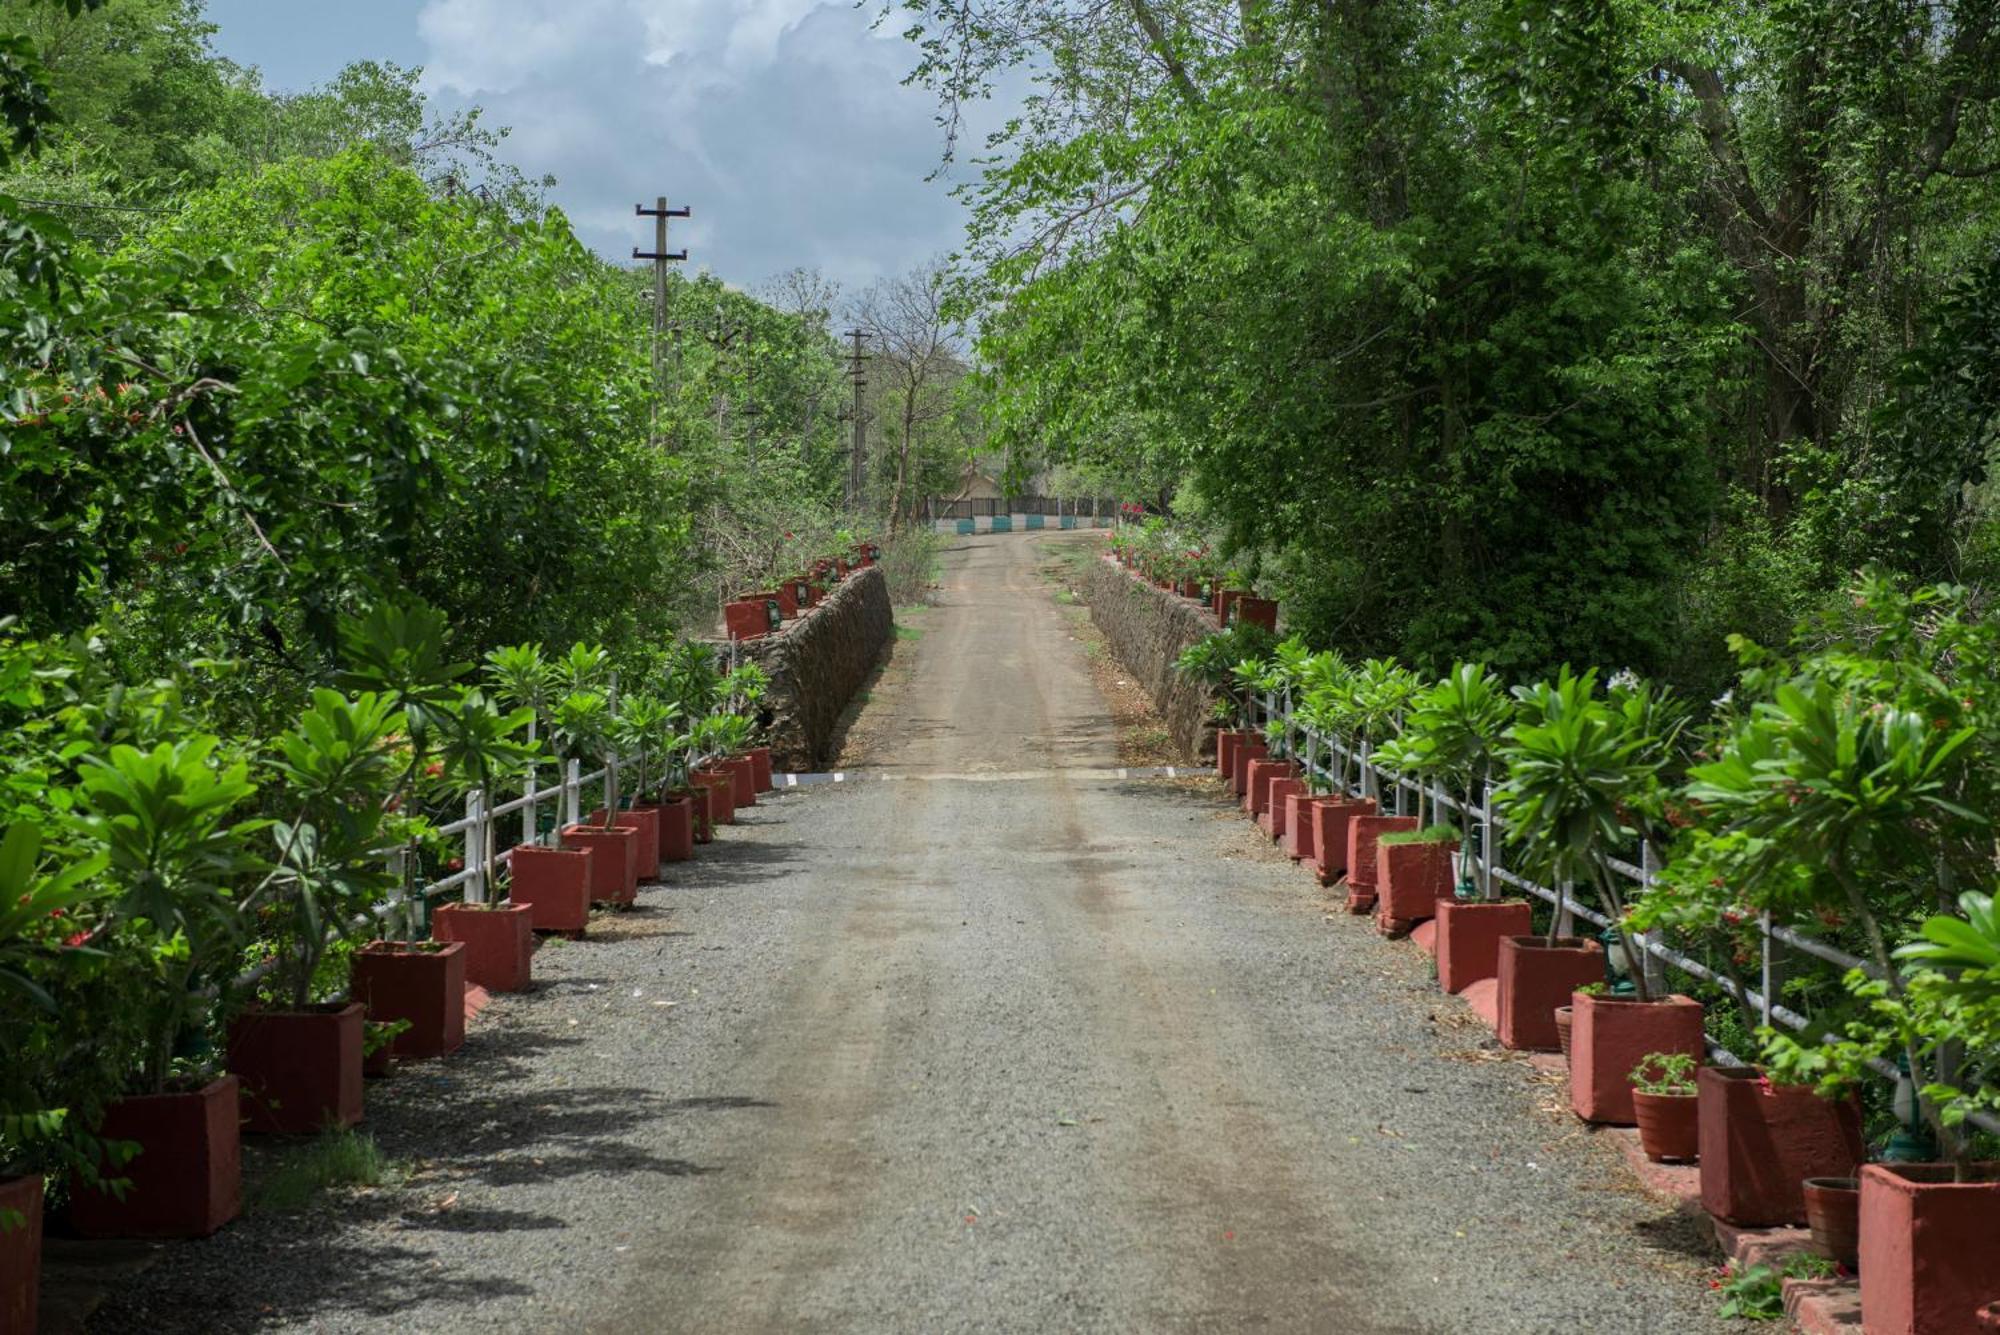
(784, 123)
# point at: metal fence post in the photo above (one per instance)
(475, 849)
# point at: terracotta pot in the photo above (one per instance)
(677, 829)
(186, 1181)
(1565, 1018)
(614, 864)
(760, 761)
(1611, 1035)
(1298, 823)
(1256, 611)
(21, 1253)
(1249, 749)
(1928, 1247)
(645, 822)
(1226, 743)
(1331, 818)
(554, 883)
(299, 1071)
(1759, 1143)
(1535, 978)
(743, 774)
(1364, 855)
(1410, 880)
(499, 943)
(1669, 1125)
(422, 982)
(1833, 1213)
(1468, 938)
(720, 785)
(1276, 817)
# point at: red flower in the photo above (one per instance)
(456, 864)
(75, 939)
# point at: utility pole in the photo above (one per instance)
(856, 464)
(661, 257)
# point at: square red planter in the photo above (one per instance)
(1608, 1036)
(743, 775)
(676, 829)
(187, 1180)
(1249, 749)
(1411, 878)
(499, 943)
(614, 864)
(1256, 611)
(554, 883)
(1299, 824)
(1364, 855)
(1928, 1249)
(1535, 978)
(1226, 743)
(1760, 1143)
(21, 1253)
(1468, 938)
(1271, 820)
(422, 982)
(720, 787)
(646, 821)
(1258, 774)
(1331, 817)
(760, 766)
(300, 1070)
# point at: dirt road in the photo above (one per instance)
(993, 1043)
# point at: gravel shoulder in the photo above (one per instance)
(963, 1050)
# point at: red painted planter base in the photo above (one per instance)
(1251, 748)
(21, 1254)
(1534, 980)
(187, 1181)
(614, 864)
(401, 980)
(554, 883)
(760, 767)
(1276, 817)
(1609, 1036)
(1258, 774)
(1331, 818)
(300, 1070)
(743, 774)
(720, 786)
(499, 943)
(1759, 1143)
(1226, 743)
(1364, 854)
(1411, 880)
(1468, 938)
(645, 822)
(1928, 1247)
(676, 829)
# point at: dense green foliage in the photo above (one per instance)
(1514, 329)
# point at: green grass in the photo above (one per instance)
(344, 1158)
(1065, 597)
(908, 632)
(1430, 834)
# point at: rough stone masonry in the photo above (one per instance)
(1147, 628)
(817, 663)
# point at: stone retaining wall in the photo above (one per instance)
(817, 663)
(1147, 628)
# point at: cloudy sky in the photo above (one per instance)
(784, 123)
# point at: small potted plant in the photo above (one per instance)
(552, 882)
(1663, 1095)
(584, 733)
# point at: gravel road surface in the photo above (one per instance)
(1000, 1045)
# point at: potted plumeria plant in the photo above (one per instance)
(483, 747)
(1329, 705)
(1208, 662)
(1575, 762)
(585, 735)
(743, 689)
(1379, 690)
(552, 881)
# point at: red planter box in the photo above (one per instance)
(645, 822)
(1468, 938)
(614, 863)
(1256, 611)
(1364, 855)
(1928, 1249)
(555, 885)
(1411, 880)
(720, 785)
(1760, 1143)
(1249, 749)
(421, 982)
(1277, 808)
(747, 619)
(1331, 818)
(300, 1071)
(499, 943)
(743, 775)
(1535, 978)
(187, 1180)
(1608, 1036)
(1226, 743)
(760, 767)
(21, 1254)
(1257, 800)
(676, 829)
(1299, 823)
